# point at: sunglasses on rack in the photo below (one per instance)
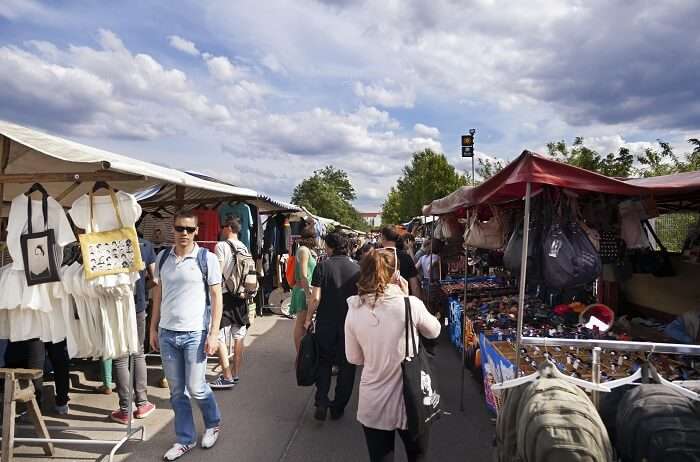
(182, 229)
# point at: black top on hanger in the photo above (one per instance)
(37, 187)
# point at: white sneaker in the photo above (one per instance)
(178, 450)
(210, 437)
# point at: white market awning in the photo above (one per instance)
(68, 169)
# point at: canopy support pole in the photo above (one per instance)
(523, 278)
(462, 327)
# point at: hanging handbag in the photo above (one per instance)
(420, 388)
(485, 234)
(38, 248)
(110, 252)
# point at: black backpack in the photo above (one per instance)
(657, 424)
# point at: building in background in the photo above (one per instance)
(373, 219)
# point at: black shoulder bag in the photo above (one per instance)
(38, 249)
(420, 388)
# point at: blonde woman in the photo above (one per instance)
(375, 339)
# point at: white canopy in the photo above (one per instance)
(67, 169)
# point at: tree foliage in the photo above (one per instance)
(328, 193)
(428, 177)
(651, 162)
(488, 168)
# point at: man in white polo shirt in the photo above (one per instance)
(187, 306)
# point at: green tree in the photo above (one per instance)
(328, 193)
(657, 162)
(487, 168)
(579, 155)
(428, 177)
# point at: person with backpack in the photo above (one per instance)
(187, 305)
(236, 262)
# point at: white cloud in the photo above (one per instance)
(426, 131)
(183, 45)
(383, 94)
(271, 62)
(17, 9)
(221, 68)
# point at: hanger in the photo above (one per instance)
(647, 370)
(549, 369)
(101, 185)
(36, 187)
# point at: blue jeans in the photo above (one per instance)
(185, 362)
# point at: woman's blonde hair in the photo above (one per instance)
(376, 272)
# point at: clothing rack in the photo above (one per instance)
(77, 179)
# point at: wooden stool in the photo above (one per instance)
(14, 394)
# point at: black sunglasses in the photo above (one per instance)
(182, 229)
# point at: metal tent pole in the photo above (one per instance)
(663, 348)
(463, 324)
(596, 375)
(523, 278)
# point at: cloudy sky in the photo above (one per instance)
(261, 93)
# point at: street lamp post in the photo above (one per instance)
(468, 149)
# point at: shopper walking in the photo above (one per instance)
(185, 328)
(303, 271)
(389, 238)
(144, 408)
(234, 321)
(334, 280)
(375, 339)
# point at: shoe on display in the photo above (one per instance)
(144, 410)
(321, 413)
(120, 415)
(178, 450)
(210, 437)
(222, 383)
(62, 410)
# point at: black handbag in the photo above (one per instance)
(307, 360)
(38, 248)
(420, 387)
(658, 262)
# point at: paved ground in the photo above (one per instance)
(268, 418)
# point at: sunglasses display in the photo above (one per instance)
(189, 229)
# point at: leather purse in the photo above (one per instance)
(485, 234)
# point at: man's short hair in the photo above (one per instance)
(389, 234)
(184, 215)
(337, 242)
(234, 223)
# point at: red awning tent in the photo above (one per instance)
(680, 191)
(510, 183)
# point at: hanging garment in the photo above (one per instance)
(157, 230)
(209, 228)
(243, 213)
(632, 213)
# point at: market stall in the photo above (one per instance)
(95, 189)
(518, 334)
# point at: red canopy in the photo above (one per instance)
(509, 184)
(680, 184)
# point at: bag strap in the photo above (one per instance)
(204, 268)
(201, 262)
(44, 209)
(115, 205)
(408, 324)
(647, 226)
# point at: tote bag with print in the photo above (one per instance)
(110, 252)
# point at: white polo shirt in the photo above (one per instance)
(183, 300)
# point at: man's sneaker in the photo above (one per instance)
(210, 437)
(144, 410)
(321, 413)
(337, 414)
(62, 410)
(236, 380)
(222, 383)
(178, 450)
(120, 415)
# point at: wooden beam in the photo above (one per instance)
(68, 190)
(69, 177)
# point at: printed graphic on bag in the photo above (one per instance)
(38, 257)
(108, 256)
